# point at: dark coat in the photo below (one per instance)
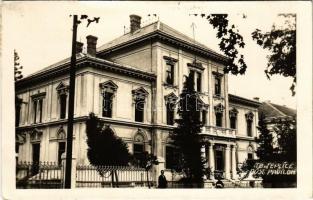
(162, 181)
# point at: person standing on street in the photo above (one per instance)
(162, 180)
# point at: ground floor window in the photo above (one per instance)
(61, 150)
(35, 157)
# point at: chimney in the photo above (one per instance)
(91, 45)
(256, 98)
(79, 47)
(135, 23)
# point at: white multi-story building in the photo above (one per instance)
(148, 63)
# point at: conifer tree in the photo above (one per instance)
(17, 67)
(186, 136)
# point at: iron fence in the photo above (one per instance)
(39, 175)
(123, 176)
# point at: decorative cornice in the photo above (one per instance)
(195, 65)
(170, 60)
(86, 61)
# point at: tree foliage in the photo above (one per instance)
(185, 137)
(17, 67)
(102, 143)
(230, 42)
(281, 42)
(265, 148)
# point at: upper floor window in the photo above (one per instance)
(170, 101)
(199, 81)
(170, 74)
(62, 92)
(108, 90)
(38, 106)
(139, 98)
(249, 120)
(233, 118)
(217, 86)
(250, 152)
(219, 109)
(195, 74)
(18, 105)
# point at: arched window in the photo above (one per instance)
(250, 152)
(139, 145)
(61, 136)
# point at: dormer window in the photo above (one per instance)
(62, 90)
(139, 99)
(108, 90)
(249, 120)
(219, 109)
(170, 102)
(37, 106)
(233, 118)
(170, 63)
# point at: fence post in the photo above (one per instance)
(73, 171)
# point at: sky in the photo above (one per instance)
(41, 34)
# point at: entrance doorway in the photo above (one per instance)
(219, 162)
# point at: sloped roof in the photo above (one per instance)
(271, 110)
(156, 27)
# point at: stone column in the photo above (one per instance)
(211, 160)
(233, 162)
(227, 162)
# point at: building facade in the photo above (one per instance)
(144, 69)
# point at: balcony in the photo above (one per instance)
(218, 131)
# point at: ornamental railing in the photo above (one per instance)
(113, 176)
(39, 175)
(218, 131)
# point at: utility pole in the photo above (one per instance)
(69, 139)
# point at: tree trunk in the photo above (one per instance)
(116, 178)
(112, 178)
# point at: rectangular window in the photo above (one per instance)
(199, 80)
(192, 76)
(40, 110)
(63, 99)
(139, 109)
(35, 110)
(107, 104)
(17, 114)
(61, 150)
(169, 157)
(204, 113)
(233, 121)
(169, 74)
(250, 156)
(138, 151)
(169, 113)
(217, 86)
(219, 119)
(249, 127)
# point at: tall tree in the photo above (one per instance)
(101, 143)
(185, 137)
(281, 42)
(17, 67)
(265, 148)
